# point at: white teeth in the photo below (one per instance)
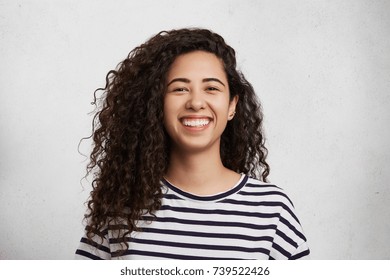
(196, 122)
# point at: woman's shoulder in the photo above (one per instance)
(251, 181)
(268, 190)
(258, 185)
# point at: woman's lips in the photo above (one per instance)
(195, 122)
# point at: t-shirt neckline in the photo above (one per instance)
(219, 196)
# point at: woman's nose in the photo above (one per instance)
(195, 100)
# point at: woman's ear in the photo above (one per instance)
(232, 107)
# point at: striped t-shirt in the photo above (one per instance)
(253, 220)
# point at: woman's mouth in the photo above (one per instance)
(195, 122)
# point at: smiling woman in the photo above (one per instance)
(180, 161)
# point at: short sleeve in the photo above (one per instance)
(96, 249)
(302, 252)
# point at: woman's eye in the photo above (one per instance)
(212, 89)
(180, 89)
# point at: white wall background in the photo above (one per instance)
(321, 69)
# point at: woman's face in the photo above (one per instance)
(196, 103)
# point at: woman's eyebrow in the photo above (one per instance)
(185, 80)
(213, 80)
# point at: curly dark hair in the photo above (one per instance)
(131, 147)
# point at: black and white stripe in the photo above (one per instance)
(253, 220)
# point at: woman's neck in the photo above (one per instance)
(200, 173)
